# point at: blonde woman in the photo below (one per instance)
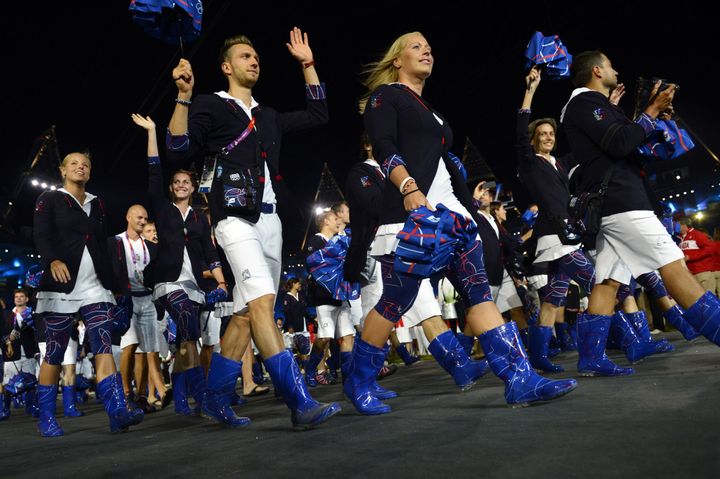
(410, 140)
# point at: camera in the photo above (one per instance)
(644, 90)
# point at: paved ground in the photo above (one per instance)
(662, 422)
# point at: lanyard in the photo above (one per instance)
(240, 138)
(136, 258)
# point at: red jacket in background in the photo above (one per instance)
(716, 256)
(700, 250)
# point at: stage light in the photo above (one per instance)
(699, 215)
(35, 182)
(10, 203)
(692, 191)
(44, 185)
(16, 264)
(319, 210)
(677, 177)
(53, 187)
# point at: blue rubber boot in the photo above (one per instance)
(508, 361)
(639, 322)
(311, 368)
(180, 394)
(136, 415)
(378, 391)
(405, 355)
(538, 353)
(562, 332)
(467, 342)
(196, 386)
(4, 406)
(704, 316)
(366, 362)
(676, 317)
(31, 406)
(113, 397)
(592, 332)
(47, 401)
(634, 348)
(68, 395)
(449, 354)
(305, 412)
(553, 346)
(221, 382)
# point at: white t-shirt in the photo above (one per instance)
(137, 257)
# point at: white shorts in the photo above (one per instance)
(25, 365)
(70, 352)
(356, 311)
(403, 332)
(334, 321)
(505, 295)
(209, 328)
(254, 252)
(630, 244)
(370, 294)
(426, 306)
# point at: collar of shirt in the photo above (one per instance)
(187, 211)
(88, 197)
(240, 103)
(574, 93)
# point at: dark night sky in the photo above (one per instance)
(87, 76)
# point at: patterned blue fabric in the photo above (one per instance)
(172, 21)
(548, 51)
(326, 266)
(666, 141)
(217, 295)
(430, 239)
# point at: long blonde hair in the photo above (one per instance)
(383, 72)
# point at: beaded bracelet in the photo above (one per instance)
(183, 102)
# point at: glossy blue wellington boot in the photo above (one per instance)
(31, 406)
(4, 406)
(538, 353)
(639, 322)
(47, 401)
(366, 362)
(311, 369)
(196, 386)
(69, 409)
(592, 332)
(180, 394)
(562, 332)
(113, 397)
(405, 355)
(508, 361)
(136, 414)
(467, 342)
(378, 391)
(449, 354)
(704, 316)
(634, 348)
(305, 412)
(221, 382)
(676, 317)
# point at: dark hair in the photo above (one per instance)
(231, 42)
(582, 65)
(335, 208)
(364, 141)
(21, 290)
(540, 121)
(686, 221)
(494, 206)
(290, 283)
